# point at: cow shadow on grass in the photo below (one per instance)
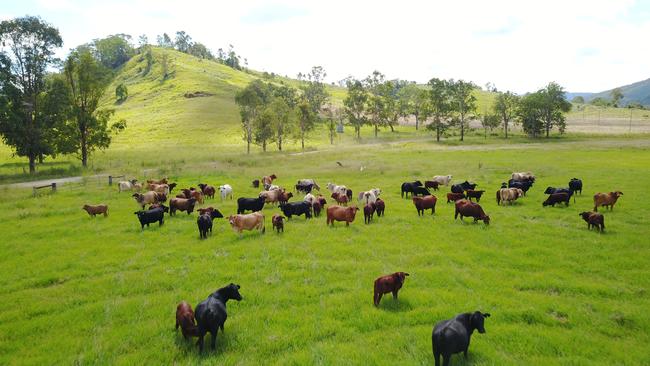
(189, 346)
(395, 306)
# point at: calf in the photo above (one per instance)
(256, 183)
(455, 197)
(595, 219)
(389, 283)
(304, 187)
(431, 184)
(284, 197)
(460, 188)
(508, 195)
(278, 223)
(268, 180)
(474, 194)
(339, 213)
(181, 204)
(425, 203)
(250, 221)
(368, 212)
(317, 208)
(380, 207)
(197, 195)
(126, 185)
(453, 335)
(296, 208)
(470, 209)
(250, 204)
(213, 212)
(150, 216)
(606, 199)
(94, 210)
(185, 320)
(225, 191)
(207, 190)
(557, 198)
(575, 185)
(211, 313)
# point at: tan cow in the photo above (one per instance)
(523, 176)
(606, 199)
(160, 188)
(250, 221)
(272, 196)
(340, 213)
(442, 179)
(508, 195)
(149, 198)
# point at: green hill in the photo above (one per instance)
(636, 92)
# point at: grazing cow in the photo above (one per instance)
(160, 188)
(159, 181)
(455, 197)
(126, 185)
(508, 195)
(225, 191)
(575, 185)
(268, 180)
(425, 203)
(249, 222)
(148, 198)
(304, 187)
(185, 320)
(309, 198)
(340, 213)
(431, 184)
(316, 207)
(595, 219)
(296, 208)
(278, 223)
(204, 222)
(606, 199)
(181, 204)
(474, 194)
(442, 179)
(250, 204)
(368, 212)
(150, 216)
(256, 183)
(462, 187)
(211, 313)
(389, 283)
(409, 187)
(453, 335)
(185, 193)
(380, 207)
(94, 210)
(341, 199)
(272, 196)
(420, 191)
(284, 197)
(523, 185)
(207, 190)
(307, 182)
(551, 190)
(197, 195)
(370, 196)
(470, 209)
(337, 189)
(214, 213)
(527, 176)
(557, 198)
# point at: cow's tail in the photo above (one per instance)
(498, 198)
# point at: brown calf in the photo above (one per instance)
(389, 283)
(94, 210)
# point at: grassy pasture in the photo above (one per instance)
(87, 291)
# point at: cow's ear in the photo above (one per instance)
(486, 315)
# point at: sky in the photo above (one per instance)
(518, 45)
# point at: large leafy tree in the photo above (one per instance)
(26, 52)
(314, 90)
(529, 114)
(87, 128)
(553, 107)
(377, 107)
(505, 107)
(617, 96)
(183, 41)
(113, 51)
(251, 101)
(414, 101)
(281, 119)
(306, 119)
(355, 105)
(463, 102)
(440, 105)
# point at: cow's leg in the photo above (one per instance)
(379, 295)
(436, 357)
(445, 359)
(214, 338)
(177, 325)
(395, 294)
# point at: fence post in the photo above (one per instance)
(53, 187)
(110, 180)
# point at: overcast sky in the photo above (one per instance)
(590, 45)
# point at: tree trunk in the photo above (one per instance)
(417, 122)
(302, 140)
(84, 151)
(391, 128)
(331, 137)
(264, 145)
(462, 128)
(548, 129)
(248, 138)
(505, 124)
(376, 129)
(438, 132)
(32, 164)
(41, 158)
(280, 143)
(358, 132)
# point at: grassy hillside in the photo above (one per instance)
(78, 290)
(636, 92)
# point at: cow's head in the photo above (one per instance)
(401, 276)
(273, 176)
(417, 183)
(477, 321)
(232, 219)
(549, 190)
(617, 194)
(486, 219)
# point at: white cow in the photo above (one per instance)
(370, 196)
(304, 182)
(442, 179)
(523, 176)
(225, 191)
(337, 189)
(127, 185)
(309, 198)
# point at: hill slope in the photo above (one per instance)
(636, 92)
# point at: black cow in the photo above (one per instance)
(409, 187)
(557, 198)
(249, 204)
(551, 190)
(420, 191)
(152, 215)
(296, 208)
(575, 185)
(380, 206)
(524, 185)
(305, 188)
(204, 222)
(348, 193)
(453, 335)
(460, 188)
(211, 313)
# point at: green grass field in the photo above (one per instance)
(77, 290)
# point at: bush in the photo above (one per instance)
(121, 93)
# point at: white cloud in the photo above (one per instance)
(518, 45)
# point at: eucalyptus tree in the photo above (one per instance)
(440, 105)
(355, 105)
(463, 102)
(505, 107)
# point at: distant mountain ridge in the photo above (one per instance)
(636, 92)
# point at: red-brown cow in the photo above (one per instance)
(471, 209)
(424, 203)
(340, 213)
(389, 283)
(185, 320)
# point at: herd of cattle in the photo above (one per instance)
(448, 337)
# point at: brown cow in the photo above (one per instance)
(268, 180)
(197, 195)
(389, 283)
(284, 197)
(149, 198)
(160, 181)
(181, 204)
(425, 203)
(454, 196)
(340, 198)
(249, 221)
(185, 320)
(595, 219)
(380, 207)
(431, 184)
(368, 212)
(160, 188)
(94, 210)
(273, 196)
(340, 213)
(207, 190)
(606, 199)
(317, 207)
(185, 193)
(471, 209)
(278, 223)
